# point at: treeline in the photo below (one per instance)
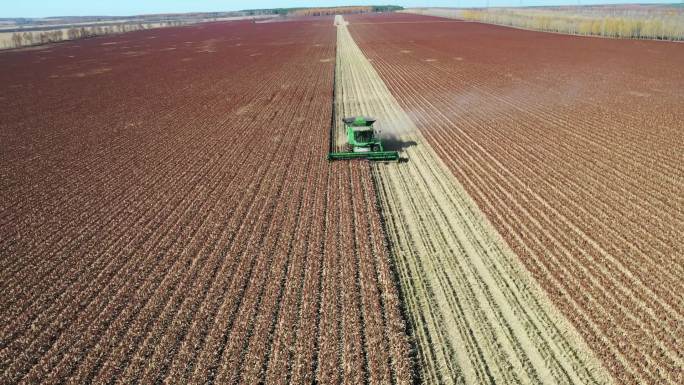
(323, 11)
(635, 25)
(28, 38)
(386, 8)
(22, 39)
(331, 11)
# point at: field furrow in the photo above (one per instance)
(476, 313)
(581, 179)
(175, 219)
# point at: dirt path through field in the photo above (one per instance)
(476, 314)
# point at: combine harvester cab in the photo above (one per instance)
(363, 142)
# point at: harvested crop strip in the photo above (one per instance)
(476, 314)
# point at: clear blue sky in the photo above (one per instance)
(43, 8)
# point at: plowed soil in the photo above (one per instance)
(572, 147)
(168, 214)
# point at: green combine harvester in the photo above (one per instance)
(362, 142)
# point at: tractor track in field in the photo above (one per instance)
(476, 314)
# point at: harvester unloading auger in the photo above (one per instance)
(362, 142)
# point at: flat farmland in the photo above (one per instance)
(476, 315)
(573, 149)
(168, 215)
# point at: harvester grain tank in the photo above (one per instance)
(362, 141)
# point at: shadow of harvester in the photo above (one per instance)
(396, 144)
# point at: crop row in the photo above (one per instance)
(172, 220)
(585, 197)
(475, 314)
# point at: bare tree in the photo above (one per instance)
(16, 39)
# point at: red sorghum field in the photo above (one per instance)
(168, 215)
(573, 147)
